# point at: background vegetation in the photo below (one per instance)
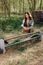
(11, 12)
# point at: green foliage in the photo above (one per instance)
(21, 49)
(19, 6)
(14, 23)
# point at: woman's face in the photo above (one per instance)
(26, 15)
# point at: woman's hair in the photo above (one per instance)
(30, 18)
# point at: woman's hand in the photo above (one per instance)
(25, 29)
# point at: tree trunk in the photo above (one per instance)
(40, 4)
(6, 5)
(23, 6)
(19, 6)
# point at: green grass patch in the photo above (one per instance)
(21, 49)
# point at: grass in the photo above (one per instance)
(39, 26)
(21, 49)
(1, 35)
(22, 62)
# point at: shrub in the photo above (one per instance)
(11, 24)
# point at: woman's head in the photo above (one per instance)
(27, 16)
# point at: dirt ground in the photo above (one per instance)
(32, 55)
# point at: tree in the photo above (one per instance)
(19, 6)
(40, 4)
(23, 6)
(6, 7)
(32, 6)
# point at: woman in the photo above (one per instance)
(27, 23)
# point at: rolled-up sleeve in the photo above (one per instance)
(22, 25)
(31, 23)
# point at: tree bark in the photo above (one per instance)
(40, 4)
(23, 6)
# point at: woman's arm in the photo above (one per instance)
(22, 25)
(31, 23)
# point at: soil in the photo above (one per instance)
(31, 55)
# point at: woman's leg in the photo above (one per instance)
(27, 29)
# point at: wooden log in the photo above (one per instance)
(35, 36)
